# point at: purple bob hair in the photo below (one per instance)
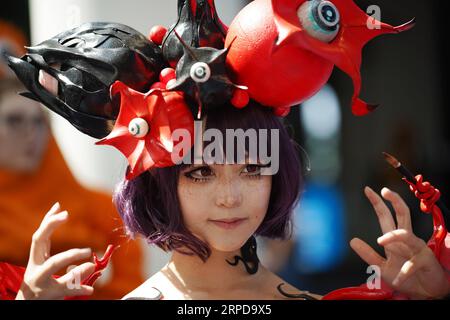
(149, 204)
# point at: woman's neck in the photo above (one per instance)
(214, 274)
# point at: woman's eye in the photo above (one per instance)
(252, 169)
(320, 19)
(199, 174)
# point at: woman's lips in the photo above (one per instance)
(228, 224)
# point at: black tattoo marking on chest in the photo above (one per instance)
(294, 295)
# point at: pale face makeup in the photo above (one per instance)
(24, 133)
(224, 205)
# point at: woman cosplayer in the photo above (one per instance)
(197, 112)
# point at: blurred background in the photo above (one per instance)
(405, 74)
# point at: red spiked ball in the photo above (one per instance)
(240, 98)
(157, 34)
(166, 75)
(281, 111)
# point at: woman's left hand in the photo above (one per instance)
(410, 267)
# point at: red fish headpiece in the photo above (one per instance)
(296, 44)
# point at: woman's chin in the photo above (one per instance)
(228, 246)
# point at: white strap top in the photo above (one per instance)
(152, 294)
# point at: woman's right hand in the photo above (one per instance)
(38, 282)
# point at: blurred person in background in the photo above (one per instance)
(33, 172)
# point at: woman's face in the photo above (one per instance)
(224, 205)
(23, 133)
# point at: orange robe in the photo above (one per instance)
(93, 221)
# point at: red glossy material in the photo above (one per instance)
(157, 34)
(158, 85)
(167, 75)
(240, 98)
(164, 112)
(282, 65)
(359, 293)
(440, 239)
(282, 112)
(11, 276)
(100, 265)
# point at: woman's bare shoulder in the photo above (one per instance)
(151, 289)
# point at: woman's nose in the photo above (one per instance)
(229, 195)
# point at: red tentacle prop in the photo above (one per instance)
(100, 265)
(11, 277)
(440, 240)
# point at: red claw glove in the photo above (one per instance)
(11, 276)
(100, 265)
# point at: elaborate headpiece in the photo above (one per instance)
(134, 92)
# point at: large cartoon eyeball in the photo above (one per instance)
(320, 19)
(200, 72)
(138, 128)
